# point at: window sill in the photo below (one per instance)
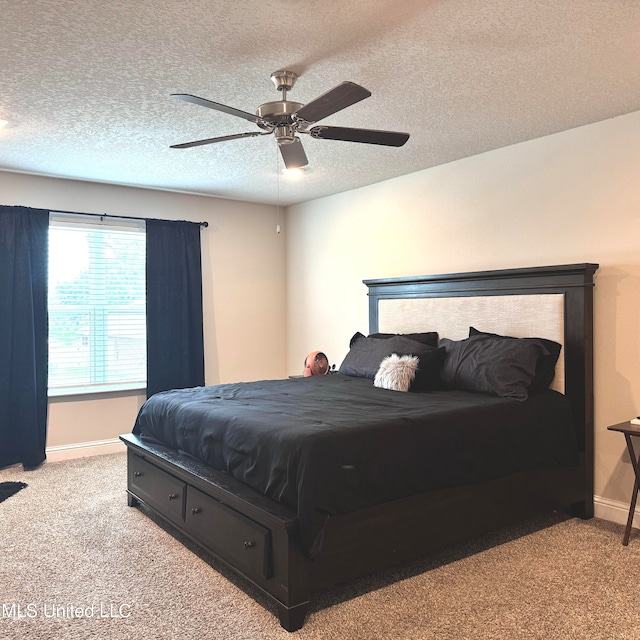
(124, 389)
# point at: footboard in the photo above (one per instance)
(253, 535)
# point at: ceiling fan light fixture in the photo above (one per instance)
(294, 172)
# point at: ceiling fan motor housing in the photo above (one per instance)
(279, 112)
(278, 116)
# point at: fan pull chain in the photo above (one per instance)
(278, 190)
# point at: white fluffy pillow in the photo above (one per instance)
(396, 372)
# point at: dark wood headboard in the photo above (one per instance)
(576, 284)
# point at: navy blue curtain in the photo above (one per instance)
(23, 335)
(175, 345)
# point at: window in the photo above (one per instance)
(97, 308)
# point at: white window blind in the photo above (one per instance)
(97, 309)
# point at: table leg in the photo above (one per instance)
(635, 461)
(632, 509)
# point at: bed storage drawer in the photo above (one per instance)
(238, 540)
(157, 488)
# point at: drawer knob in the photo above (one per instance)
(137, 474)
(196, 510)
(248, 544)
(173, 496)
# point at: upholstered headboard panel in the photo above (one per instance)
(520, 316)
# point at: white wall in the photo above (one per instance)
(243, 262)
(567, 198)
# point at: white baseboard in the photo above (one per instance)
(84, 449)
(614, 511)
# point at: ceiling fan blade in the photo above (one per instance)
(336, 99)
(368, 136)
(293, 155)
(217, 106)
(235, 136)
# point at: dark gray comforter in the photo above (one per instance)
(333, 444)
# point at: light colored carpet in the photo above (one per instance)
(69, 541)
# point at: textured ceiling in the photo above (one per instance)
(86, 84)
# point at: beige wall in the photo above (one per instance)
(243, 261)
(567, 198)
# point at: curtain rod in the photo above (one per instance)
(109, 215)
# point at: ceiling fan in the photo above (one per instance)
(285, 119)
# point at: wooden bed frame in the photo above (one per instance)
(257, 537)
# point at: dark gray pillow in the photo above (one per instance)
(366, 354)
(545, 366)
(503, 368)
(429, 337)
(430, 364)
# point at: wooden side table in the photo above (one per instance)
(629, 430)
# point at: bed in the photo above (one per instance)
(302, 483)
